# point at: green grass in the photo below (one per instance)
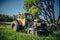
(5, 22)
(9, 34)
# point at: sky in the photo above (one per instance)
(12, 7)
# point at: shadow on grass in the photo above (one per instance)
(3, 37)
(57, 36)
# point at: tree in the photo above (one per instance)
(33, 10)
(59, 9)
(45, 7)
(6, 18)
(58, 22)
(14, 17)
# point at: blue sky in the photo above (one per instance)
(11, 7)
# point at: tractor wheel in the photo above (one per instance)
(14, 25)
(30, 31)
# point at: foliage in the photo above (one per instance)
(45, 7)
(7, 18)
(53, 28)
(33, 10)
(30, 7)
(29, 3)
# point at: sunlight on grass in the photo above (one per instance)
(6, 33)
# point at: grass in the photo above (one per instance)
(8, 23)
(6, 33)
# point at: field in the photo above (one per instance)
(6, 33)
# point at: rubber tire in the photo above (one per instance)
(30, 31)
(15, 26)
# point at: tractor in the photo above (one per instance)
(25, 22)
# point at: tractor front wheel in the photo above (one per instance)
(30, 31)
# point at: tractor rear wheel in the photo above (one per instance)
(15, 25)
